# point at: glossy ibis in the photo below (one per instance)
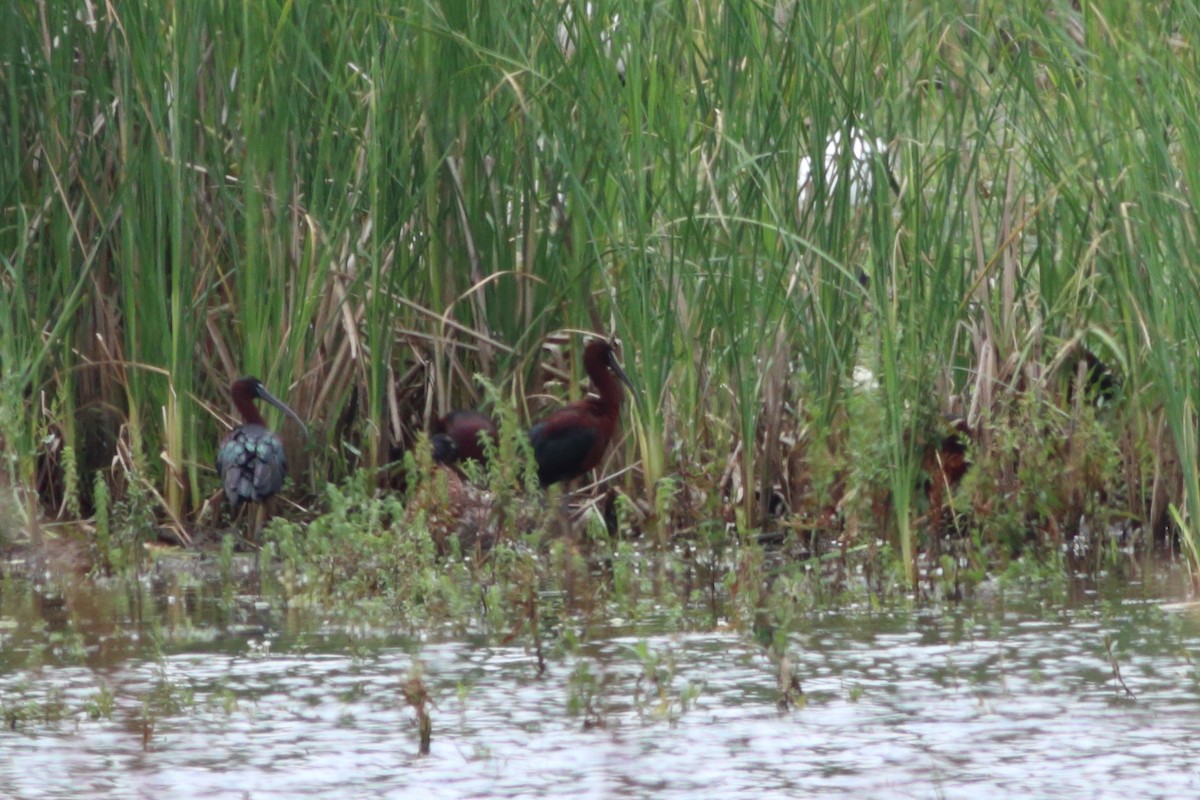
(465, 430)
(457, 514)
(572, 440)
(445, 451)
(250, 461)
(946, 460)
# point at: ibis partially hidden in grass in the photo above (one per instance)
(572, 440)
(460, 435)
(251, 461)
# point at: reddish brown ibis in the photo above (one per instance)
(573, 439)
(251, 461)
(464, 431)
(450, 508)
(946, 460)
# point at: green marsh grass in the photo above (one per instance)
(367, 204)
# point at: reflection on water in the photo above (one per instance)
(996, 698)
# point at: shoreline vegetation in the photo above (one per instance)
(969, 338)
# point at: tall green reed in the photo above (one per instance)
(1146, 153)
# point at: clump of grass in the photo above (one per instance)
(585, 695)
(24, 707)
(654, 691)
(791, 693)
(124, 530)
(417, 696)
(361, 549)
(101, 704)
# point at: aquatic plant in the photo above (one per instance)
(417, 696)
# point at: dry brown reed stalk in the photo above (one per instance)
(417, 696)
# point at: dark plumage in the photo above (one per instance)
(947, 461)
(572, 440)
(252, 464)
(445, 451)
(251, 460)
(464, 429)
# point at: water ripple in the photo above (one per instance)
(998, 704)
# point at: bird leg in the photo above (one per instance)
(561, 521)
(260, 516)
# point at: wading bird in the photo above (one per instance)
(250, 461)
(445, 451)
(463, 430)
(946, 460)
(456, 513)
(857, 164)
(572, 440)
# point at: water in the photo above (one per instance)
(1007, 696)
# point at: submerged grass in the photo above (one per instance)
(367, 204)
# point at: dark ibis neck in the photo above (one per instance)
(244, 393)
(595, 362)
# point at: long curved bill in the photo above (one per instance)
(282, 406)
(616, 367)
